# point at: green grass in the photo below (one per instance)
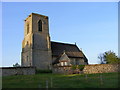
(110, 80)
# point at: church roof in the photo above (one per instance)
(70, 49)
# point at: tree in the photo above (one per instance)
(16, 65)
(109, 57)
(101, 57)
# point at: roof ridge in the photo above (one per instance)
(63, 43)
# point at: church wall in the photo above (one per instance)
(73, 61)
(82, 62)
(41, 43)
(27, 51)
(28, 21)
(42, 59)
(27, 44)
(27, 58)
(53, 58)
(36, 44)
(45, 25)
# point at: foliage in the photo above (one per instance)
(43, 71)
(110, 80)
(16, 65)
(73, 67)
(109, 57)
(81, 67)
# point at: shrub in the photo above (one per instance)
(43, 71)
(73, 67)
(81, 67)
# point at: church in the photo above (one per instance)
(40, 52)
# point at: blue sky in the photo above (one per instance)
(93, 26)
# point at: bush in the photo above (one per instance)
(81, 67)
(43, 71)
(73, 67)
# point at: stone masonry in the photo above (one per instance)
(36, 49)
(101, 68)
(8, 71)
(89, 69)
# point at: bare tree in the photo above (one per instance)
(101, 57)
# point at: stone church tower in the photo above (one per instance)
(36, 46)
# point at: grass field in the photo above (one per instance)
(105, 80)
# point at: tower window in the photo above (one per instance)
(39, 25)
(27, 28)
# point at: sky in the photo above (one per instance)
(92, 25)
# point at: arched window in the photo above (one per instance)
(39, 25)
(27, 28)
(27, 43)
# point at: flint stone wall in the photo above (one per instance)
(8, 71)
(101, 68)
(89, 69)
(62, 69)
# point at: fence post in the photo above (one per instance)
(101, 80)
(46, 83)
(51, 82)
(39, 86)
(86, 77)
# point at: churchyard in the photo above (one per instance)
(50, 80)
